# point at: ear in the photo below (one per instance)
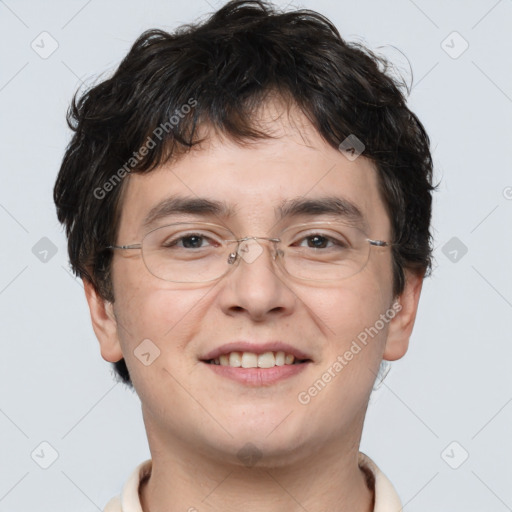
(104, 323)
(400, 327)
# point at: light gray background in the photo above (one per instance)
(453, 385)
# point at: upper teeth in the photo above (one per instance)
(252, 360)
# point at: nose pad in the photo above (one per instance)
(232, 258)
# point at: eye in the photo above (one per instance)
(190, 241)
(317, 241)
(323, 241)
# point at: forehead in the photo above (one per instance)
(257, 182)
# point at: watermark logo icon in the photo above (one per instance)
(351, 147)
(249, 455)
(507, 193)
(146, 352)
(44, 45)
(454, 45)
(44, 250)
(454, 249)
(44, 455)
(250, 250)
(454, 455)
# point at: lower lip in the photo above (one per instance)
(258, 376)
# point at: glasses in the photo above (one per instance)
(199, 252)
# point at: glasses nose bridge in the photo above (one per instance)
(236, 255)
(258, 238)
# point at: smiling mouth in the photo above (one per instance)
(252, 360)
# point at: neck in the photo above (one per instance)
(327, 478)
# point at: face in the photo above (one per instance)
(185, 399)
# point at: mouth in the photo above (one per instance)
(243, 354)
(269, 359)
(257, 365)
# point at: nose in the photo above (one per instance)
(257, 287)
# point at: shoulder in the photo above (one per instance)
(386, 497)
(114, 505)
(129, 499)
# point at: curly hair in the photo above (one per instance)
(222, 70)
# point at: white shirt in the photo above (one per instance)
(386, 498)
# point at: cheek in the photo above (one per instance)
(155, 336)
(146, 306)
(157, 313)
(149, 309)
(345, 310)
(355, 338)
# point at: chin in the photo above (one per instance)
(270, 441)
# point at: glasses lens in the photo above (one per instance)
(324, 251)
(199, 252)
(187, 252)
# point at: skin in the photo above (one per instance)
(197, 421)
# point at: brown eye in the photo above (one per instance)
(320, 241)
(188, 242)
(193, 241)
(317, 241)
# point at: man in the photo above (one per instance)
(248, 203)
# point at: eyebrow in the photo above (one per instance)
(187, 205)
(329, 205)
(300, 206)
